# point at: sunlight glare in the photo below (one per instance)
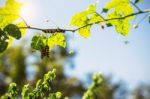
(28, 11)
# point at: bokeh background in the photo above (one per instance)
(124, 61)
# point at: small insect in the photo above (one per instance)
(102, 26)
(126, 42)
(46, 20)
(135, 26)
(45, 51)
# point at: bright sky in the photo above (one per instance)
(105, 50)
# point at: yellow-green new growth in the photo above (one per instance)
(83, 18)
(118, 9)
(9, 13)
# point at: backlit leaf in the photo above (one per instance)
(57, 39)
(79, 19)
(85, 32)
(91, 8)
(9, 13)
(95, 18)
(38, 42)
(119, 9)
(86, 17)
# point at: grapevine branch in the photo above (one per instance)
(74, 30)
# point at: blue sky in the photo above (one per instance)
(105, 50)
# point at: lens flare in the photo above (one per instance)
(28, 11)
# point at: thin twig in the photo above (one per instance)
(100, 15)
(143, 18)
(105, 20)
(24, 20)
(74, 30)
(136, 6)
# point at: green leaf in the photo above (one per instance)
(23, 31)
(114, 3)
(79, 19)
(38, 42)
(105, 10)
(85, 32)
(83, 18)
(3, 41)
(57, 39)
(25, 91)
(122, 27)
(108, 24)
(38, 83)
(13, 31)
(95, 18)
(119, 9)
(12, 87)
(12, 91)
(58, 95)
(3, 46)
(9, 13)
(91, 8)
(137, 1)
(97, 78)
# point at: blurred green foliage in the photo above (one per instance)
(41, 91)
(14, 64)
(13, 68)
